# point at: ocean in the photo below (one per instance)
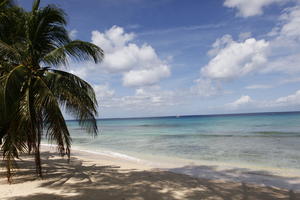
(266, 140)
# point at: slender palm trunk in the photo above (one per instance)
(38, 163)
(9, 167)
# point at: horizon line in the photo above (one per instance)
(195, 115)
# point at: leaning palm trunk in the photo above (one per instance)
(32, 91)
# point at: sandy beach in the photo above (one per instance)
(107, 178)
(150, 100)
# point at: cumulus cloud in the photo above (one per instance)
(244, 100)
(113, 39)
(290, 100)
(234, 59)
(279, 53)
(248, 8)
(140, 65)
(145, 76)
(220, 44)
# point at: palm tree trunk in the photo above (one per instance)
(38, 162)
(9, 169)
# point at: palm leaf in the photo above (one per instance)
(46, 103)
(77, 50)
(76, 96)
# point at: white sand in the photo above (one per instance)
(271, 177)
(87, 178)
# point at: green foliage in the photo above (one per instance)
(32, 90)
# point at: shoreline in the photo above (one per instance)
(88, 178)
(270, 177)
(174, 162)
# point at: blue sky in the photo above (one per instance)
(173, 57)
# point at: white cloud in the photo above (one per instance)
(243, 101)
(287, 32)
(284, 43)
(73, 34)
(293, 99)
(113, 39)
(140, 65)
(246, 102)
(220, 44)
(146, 76)
(248, 8)
(278, 53)
(234, 59)
(291, 23)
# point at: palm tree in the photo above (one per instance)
(33, 45)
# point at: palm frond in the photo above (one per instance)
(53, 120)
(4, 4)
(13, 143)
(35, 5)
(76, 96)
(9, 53)
(15, 134)
(77, 50)
(45, 29)
(12, 85)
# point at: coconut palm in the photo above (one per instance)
(33, 89)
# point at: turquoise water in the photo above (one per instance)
(268, 140)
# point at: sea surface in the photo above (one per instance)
(266, 140)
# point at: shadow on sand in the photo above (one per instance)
(87, 181)
(258, 177)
